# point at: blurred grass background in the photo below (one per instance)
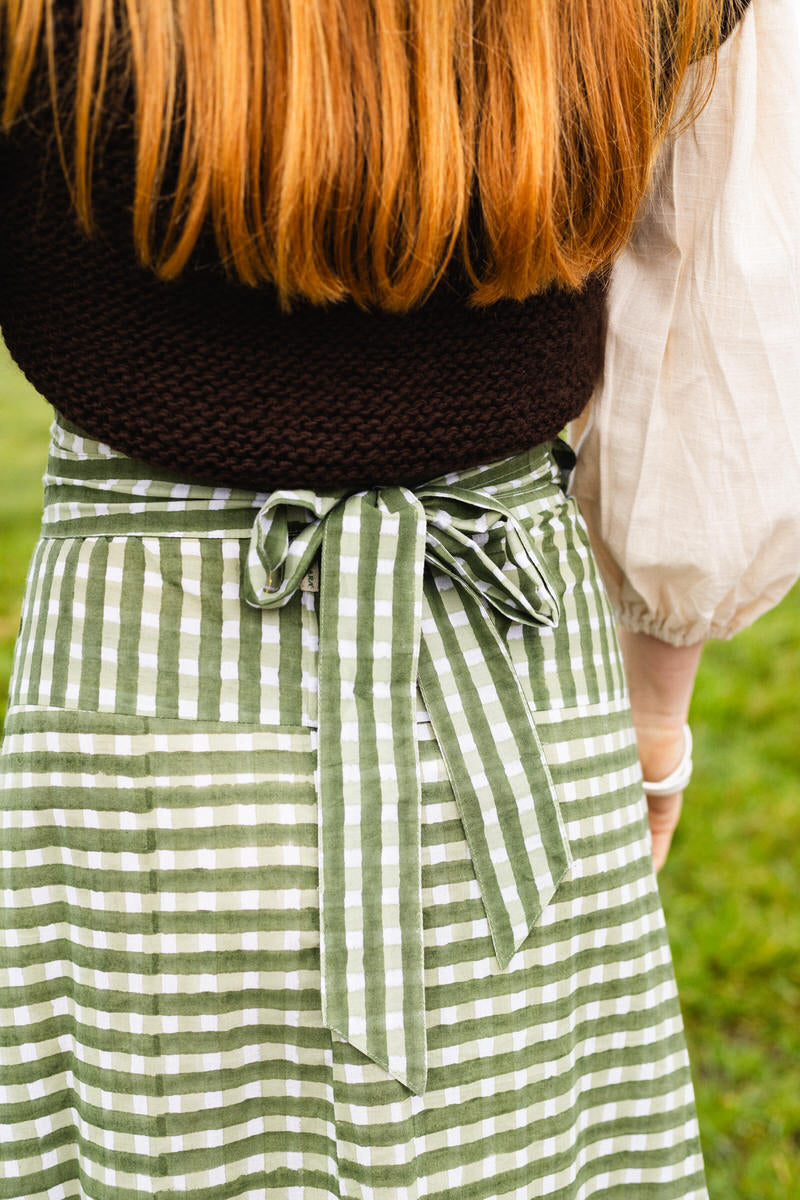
(730, 887)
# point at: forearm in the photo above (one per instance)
(660, 680)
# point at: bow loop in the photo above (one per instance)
(477, 540)
(286, 537)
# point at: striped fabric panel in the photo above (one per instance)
(578, 662)
(176, 639)
(163, 977)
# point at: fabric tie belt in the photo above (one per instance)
(385, 624)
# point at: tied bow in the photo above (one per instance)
(385, 624)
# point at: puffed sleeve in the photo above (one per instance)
(688, 472)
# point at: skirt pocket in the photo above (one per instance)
(157, 626)
(160, 955)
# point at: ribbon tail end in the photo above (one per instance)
(411, 1070)
(415, 1078)
(506, 944)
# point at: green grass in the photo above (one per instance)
(24, 421)
(730, 887)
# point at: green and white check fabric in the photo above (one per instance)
(387, 624)
(160, 967)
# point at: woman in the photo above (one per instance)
(328, 870)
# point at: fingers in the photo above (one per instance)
(663, 815)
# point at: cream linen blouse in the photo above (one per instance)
(688, 472)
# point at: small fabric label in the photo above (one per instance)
(310, 581)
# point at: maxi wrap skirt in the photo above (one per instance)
(325, 861)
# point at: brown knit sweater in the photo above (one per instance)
(207, 378)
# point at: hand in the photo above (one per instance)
(663, 813)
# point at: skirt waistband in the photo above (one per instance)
(92, 490)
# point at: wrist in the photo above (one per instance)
(670, 782)
(660, 747)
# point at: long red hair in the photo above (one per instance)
(337, 145)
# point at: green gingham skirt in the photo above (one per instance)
(325, 861)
